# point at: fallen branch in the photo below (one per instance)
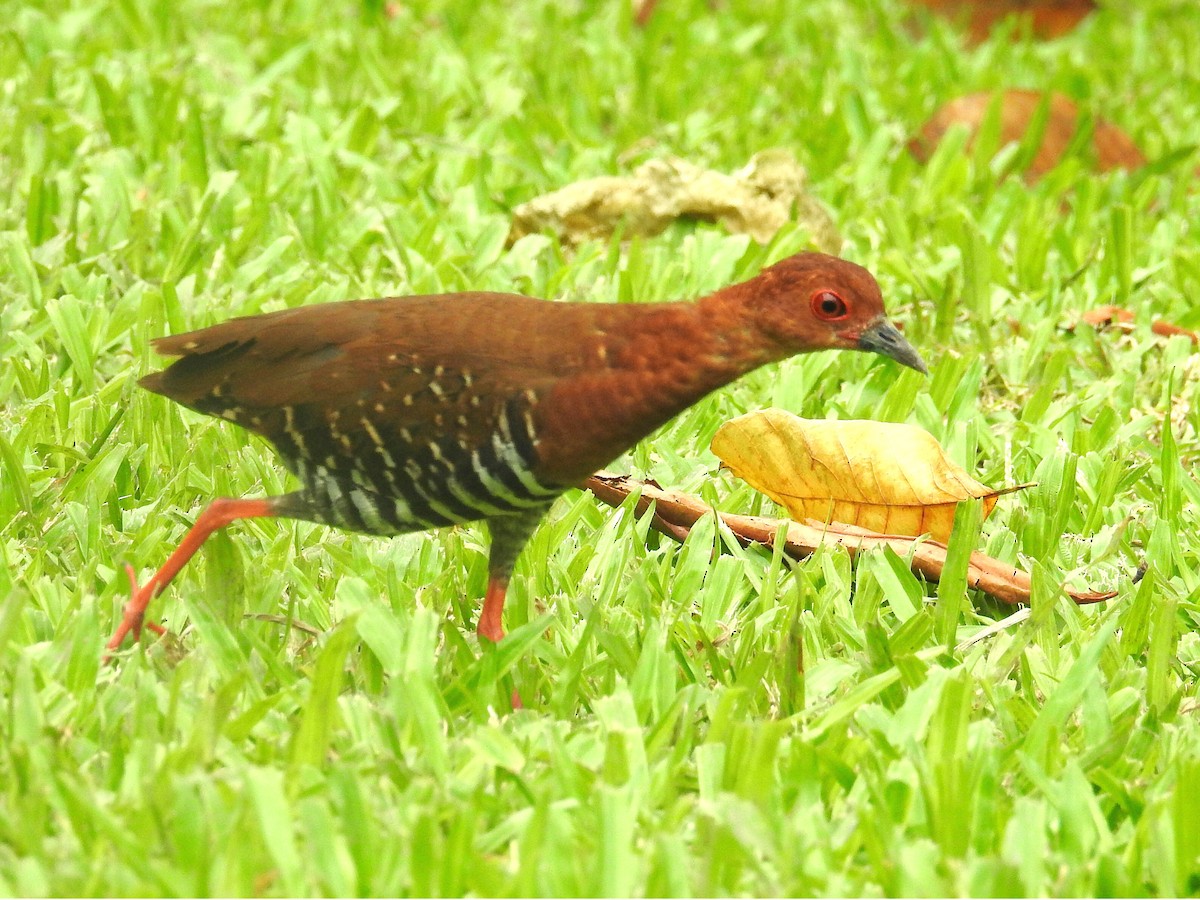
(675, 513)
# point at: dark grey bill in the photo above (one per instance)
(883, 338)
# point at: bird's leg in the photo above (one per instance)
(491, 625)
(216, 516)
(509, 535)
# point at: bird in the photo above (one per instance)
(404, 414)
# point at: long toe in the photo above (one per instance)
(133, 617)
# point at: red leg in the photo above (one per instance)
(491, 625)
(216, 516)
(509, 534)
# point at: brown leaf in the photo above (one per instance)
(642, 11)
(757, 200)
(1047, 18)
(887, 477)
(1106, 315)
(1112, 148)
(1166, 329)
(1115, 316)
(675, 513)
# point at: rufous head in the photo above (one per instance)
(812, 301)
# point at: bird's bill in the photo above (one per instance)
(882, 337)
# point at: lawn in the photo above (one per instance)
(699, 718)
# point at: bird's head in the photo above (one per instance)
(812, 301)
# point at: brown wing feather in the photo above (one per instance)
(333, 350)
(432, 366)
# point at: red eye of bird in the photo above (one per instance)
(829, 306)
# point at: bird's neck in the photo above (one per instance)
(700, 347)
(728, 345)
(663, 359)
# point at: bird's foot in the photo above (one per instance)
(133, 618)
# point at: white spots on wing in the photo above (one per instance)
(506, 453)
(289, 428)
(433, 503)
(495, 486)
(372, 432)
(390, 475)
(368, 512)
(481, 505)
(404, 512)
(332, 488)
(530, 429)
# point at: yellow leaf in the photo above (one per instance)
(886, 477)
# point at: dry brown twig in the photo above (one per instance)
(675, 513)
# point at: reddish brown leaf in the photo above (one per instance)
(643, 10)
(1106, 315)
(1112, 148)
(1115, 316)
(675, 513)
(1166, 329)
(1047, 18)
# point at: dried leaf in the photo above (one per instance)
(1116, 317)
(1047, 18)
(642, 11)
(887, 477)
(1112, 148)
(676, 513)
(1106, 315)
(757, 200)
(1166, 329)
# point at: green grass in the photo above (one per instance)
(698, 722)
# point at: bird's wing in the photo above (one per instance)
(412, 370)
